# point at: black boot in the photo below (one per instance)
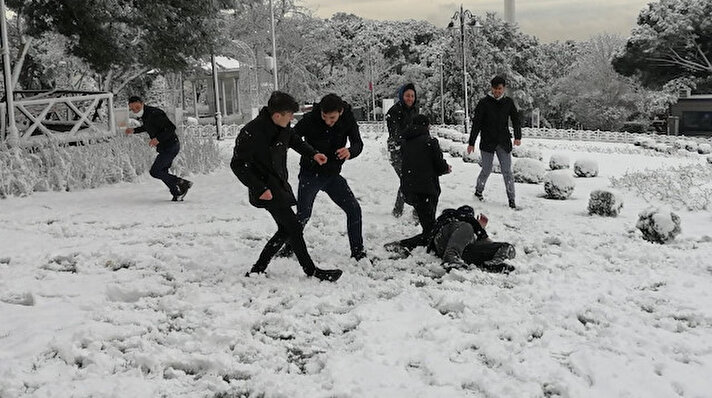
(255, 270)
(183, 187)
(330, 275)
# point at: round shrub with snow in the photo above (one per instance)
(648, 143)
(445, 145)
(559, 184)
(472, 157)
(604, 203)
(709, 159)
(586, 168)
(457, 151)
(528, 171)
(704, 149)
(691, 146)
(524, 152)
(559, 161)
(658, 226)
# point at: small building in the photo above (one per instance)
(231, 76)
(693, 115)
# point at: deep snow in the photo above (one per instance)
(119, 292)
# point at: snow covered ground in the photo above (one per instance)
(118, 292)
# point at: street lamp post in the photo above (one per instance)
(274, 47)
(464, 16)
(442, 91)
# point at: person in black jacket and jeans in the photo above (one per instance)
(423, 164)
(327, 127)
(492, 115)
(398, 120)
(260, 162)
(163, 137)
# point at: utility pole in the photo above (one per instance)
(274, 48)
(13, 134)
(216, 89)
(442, 91)
(373, 89)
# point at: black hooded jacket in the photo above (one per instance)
(327, 139)
(398, 119)
(423, 163)
(260, 159)
(462, 213)
(492, 119)
(158, 126)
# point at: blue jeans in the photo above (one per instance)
(163, 162)
(340, 193)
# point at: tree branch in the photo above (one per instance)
(130, 78)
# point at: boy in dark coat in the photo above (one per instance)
(163, 137)
(327, 128)
(460, 239)
(422, 166)
(398, 120)
(492, 115)
(260, 162)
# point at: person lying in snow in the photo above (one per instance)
(460, 239)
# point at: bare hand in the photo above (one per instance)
(470, 148)
(129, 131)
(343, 153)
(153, 142)
(482, 219)
(266, 195)
(517, 142)
(320, 158)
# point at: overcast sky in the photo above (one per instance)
(549, 20)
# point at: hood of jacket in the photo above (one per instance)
(403, 89)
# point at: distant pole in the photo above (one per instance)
(216, 89)
(373, 91)
(13, 134)
(464, 68)
(274, 47)
(442, 92)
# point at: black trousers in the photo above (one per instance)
(396, 162)
(425, 206)
(458, 238)
(163, 162)
(289, 229)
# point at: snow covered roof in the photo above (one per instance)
(223, 63)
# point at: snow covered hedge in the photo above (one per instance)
(528, 171)
(68, 168)
(658, 226)
(526, 152)
(559, 184)
(472, 157)
(586, 168)
(604, 203)
(559, 161)
(704, 149)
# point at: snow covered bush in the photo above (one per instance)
(525, 152)
(586, 168)
(679, 144)
(604, 203)
(528, 171)
(18, 174)
(445, 145)
(704, 149)
(691, 146)
(687, 187)
(559, 161)
(647, 143)
(457, 151)
(658, 226)
(191, 121)
(709, 159)
(559, 184)
(472, 157)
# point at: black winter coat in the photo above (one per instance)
(158, 126)
(327, 139)
(451, 215)
(260, 159)
(399, 120)
(423, 163)
(492, 119)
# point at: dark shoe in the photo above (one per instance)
(175, 198)
(502, 268)
(255, 270)
(183, 187)
(505, 252)
(479, 196)
(512, 204)
(329, 275)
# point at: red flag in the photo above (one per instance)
(370, 86)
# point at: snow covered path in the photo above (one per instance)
(119, 292)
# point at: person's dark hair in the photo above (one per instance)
(497, 80)
(281, 102)
(421, 120)
(331, 103)
(134, 98)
